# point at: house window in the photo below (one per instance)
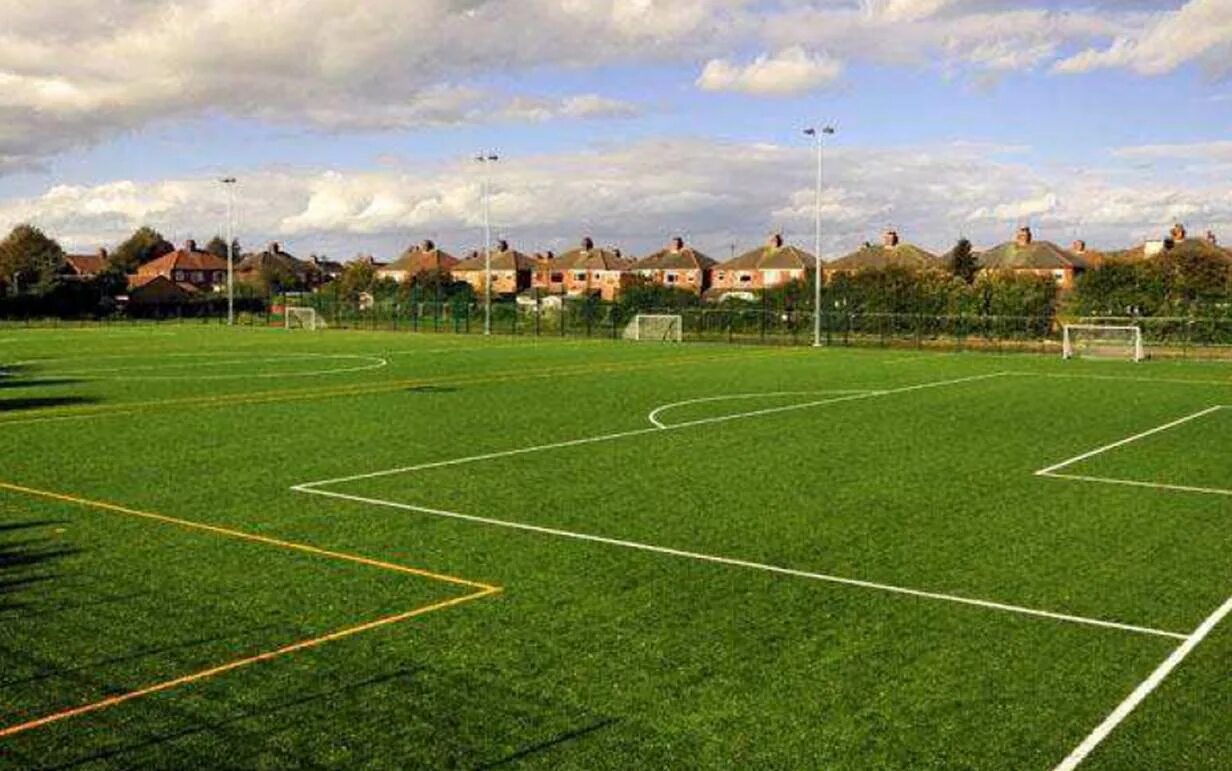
(745, 278)
(671, 278)
(772, 277)
(556, 278)
(579, 276)
(198, 276)
(178, 275)
(598, 276)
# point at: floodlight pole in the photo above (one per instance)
(229, 183)
(818, 135)
(485, 159)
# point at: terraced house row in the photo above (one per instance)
(591, 270)
(604, 271)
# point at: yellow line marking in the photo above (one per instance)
(167, 685)
(363, 389)
(483, 590)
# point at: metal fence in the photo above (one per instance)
(1164, 337)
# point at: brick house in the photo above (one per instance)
(424, 256)
(1026, 256)
(767, 266)
(1178, 239)
(253, 268)
(512, 271)
(891, 252)
(586, 270)
(155, 289)
(678, 266)
(188, 265)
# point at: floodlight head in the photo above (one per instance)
(828, 130)
(227, 180)
(810, 132)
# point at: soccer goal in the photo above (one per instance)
(655, 328)
(1101, 340)
(303, 318)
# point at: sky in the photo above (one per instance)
(353, 127)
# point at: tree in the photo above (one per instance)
(358, 276)
(218, 247)
(143, 245)
(963, 262)
(30, 261)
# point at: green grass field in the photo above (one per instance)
(258, 548)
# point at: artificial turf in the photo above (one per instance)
(612, 643)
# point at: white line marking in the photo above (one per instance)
(1123, 442)
(313, 488)
(1144, 689)
(1129, 378)
(730, 561)
(653, 417)
(1135, 483)
(637, 431)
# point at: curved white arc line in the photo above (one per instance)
(373, 362)
(654, 414)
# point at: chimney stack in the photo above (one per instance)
(1023, 237)
(776, 241)
(588, 243)
(190, 245)
(1177, 233)
(1078, 247)
(274, 247)
(102, 253)
(889, 239)
(427, 245)
(677, 244)
(502, 245)
(549, 255)
(1211, 238)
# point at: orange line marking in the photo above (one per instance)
(483, 590)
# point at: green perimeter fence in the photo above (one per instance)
(1183, 337)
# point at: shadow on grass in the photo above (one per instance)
(224, 727)
(23, 562)
(136, 655)
(42, 402)
(555, 741)
(431, 389)
(16, 382)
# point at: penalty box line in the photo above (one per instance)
(480, 590)
(316, 488)
(1053, 470)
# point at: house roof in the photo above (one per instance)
(156, 280)
(877, 256)
(503, 258)
(274, 256)
(86, 264)
(186, 258)
(774, 255)
(421, 257)
(1188, 247)
(1033, 255)
(589, 257)
(675, 256)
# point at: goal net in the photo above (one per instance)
(303, 318)
(655, 328)
(1101, 340)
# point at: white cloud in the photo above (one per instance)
(637, 195)
(790, 71)
(1201, 31)
(1202, 152)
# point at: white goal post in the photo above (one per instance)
(302, 318)
(1106, 340)
(658, 328)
